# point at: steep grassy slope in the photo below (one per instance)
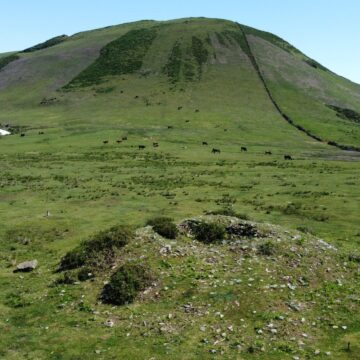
(303, 92)
(73, 174)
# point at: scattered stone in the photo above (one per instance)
(26, 266)
(166, 250)
(109, 323)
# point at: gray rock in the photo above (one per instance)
(26, 266)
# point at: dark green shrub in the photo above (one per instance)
(125, 284)
(7, 60)
(51, 42)
(346, 114)
(173, 66)
(268, 248)
(121, 56)
(354, 258)
(66, 279)
(209, 232)
(85, 273)
(97, 251)
(164, 226)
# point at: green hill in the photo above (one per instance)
(182, 118)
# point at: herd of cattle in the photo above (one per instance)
(156, 144)
(204, 143)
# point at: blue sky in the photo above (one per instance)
(326, 30)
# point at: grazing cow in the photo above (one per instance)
(136, 97)
(268, 153)
(22, 135)
(243, 149)
(197, 110)
(287, 157)
(119, 141)
(180, 107)
(142, 147)
(105, 141)
(215, 151)
(155, 144)
(225, 129)
(170, 127)
(187, 121)
(124, 138)
(41, 133)
(205, 143)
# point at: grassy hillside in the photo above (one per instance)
(84, 107)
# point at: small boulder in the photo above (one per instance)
(26, 266)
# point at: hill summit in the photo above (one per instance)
(196, 59)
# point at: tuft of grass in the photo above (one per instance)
(125, 284)
(268, 248)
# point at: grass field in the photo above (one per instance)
(87, 186)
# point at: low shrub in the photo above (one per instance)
(7, 60)
(209, 233)
(15, 301)
(164, 226)
(66, 279)
(85, 273)
(125, 284)
(268, 248)
(97, 251)
(354, 258)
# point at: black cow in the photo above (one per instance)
(142, 147)
(22, 135)
(243, 149)
(287, 157)
(170, 127)
(41, 133)
(124, 138)
(119, 141)
(180, 107)
(155, 144)
(268, 153)
(205, 143)
(105, 141)
(215, 151)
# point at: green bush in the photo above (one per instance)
(125, 284)
(268, 248)
(66, 279)
(49, 43)
(7, 60)
(209, 232)
(121, 56)
(97, 251)
(85, 273)
(164, 226)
